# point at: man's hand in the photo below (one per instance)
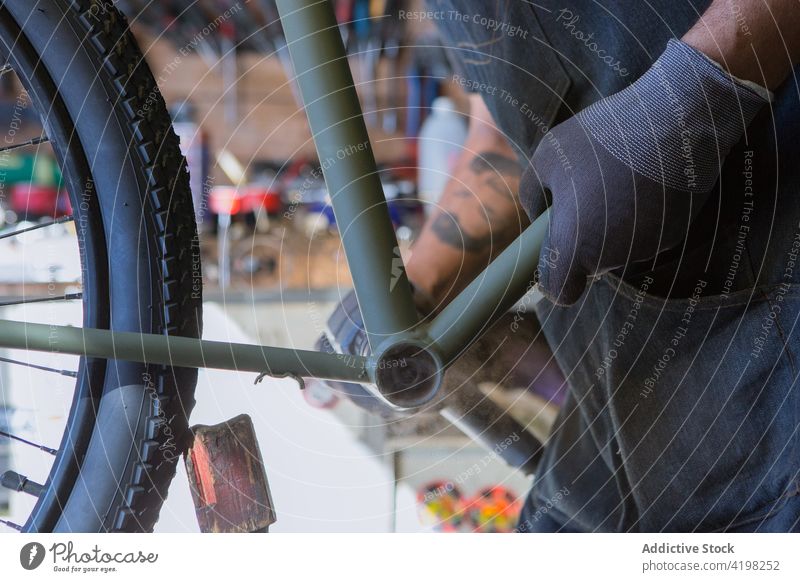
(629, 173)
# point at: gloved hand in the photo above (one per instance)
(629, 173)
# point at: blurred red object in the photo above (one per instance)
(493, 510)
(225, 200)
(31, 200)
(441, 506)
(232, 200)
(261, 197)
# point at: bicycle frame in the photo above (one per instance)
(379, 278)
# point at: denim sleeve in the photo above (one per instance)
(499, 51)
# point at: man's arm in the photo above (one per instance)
(476, 218)
(479, 213)
(754, 40)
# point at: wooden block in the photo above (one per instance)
(227, 478)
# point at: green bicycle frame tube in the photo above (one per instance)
(502, 283)
(340, 135)
(180, 351)
(490, 294)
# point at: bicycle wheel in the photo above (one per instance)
(131, 206)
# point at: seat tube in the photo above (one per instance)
(345, 153)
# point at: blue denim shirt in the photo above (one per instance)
(684, 411)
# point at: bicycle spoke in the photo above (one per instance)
(13, 232)
(11, 524)
(27, 442)
(65, 297)
(69, 373)
(24, 144)
(20, 483)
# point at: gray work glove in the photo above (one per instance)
(628, 174)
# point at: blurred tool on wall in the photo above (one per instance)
(439, 144)
(224, 70)
(427, 70)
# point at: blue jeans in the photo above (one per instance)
(689, 422)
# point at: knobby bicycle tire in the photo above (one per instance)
(112, 134)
